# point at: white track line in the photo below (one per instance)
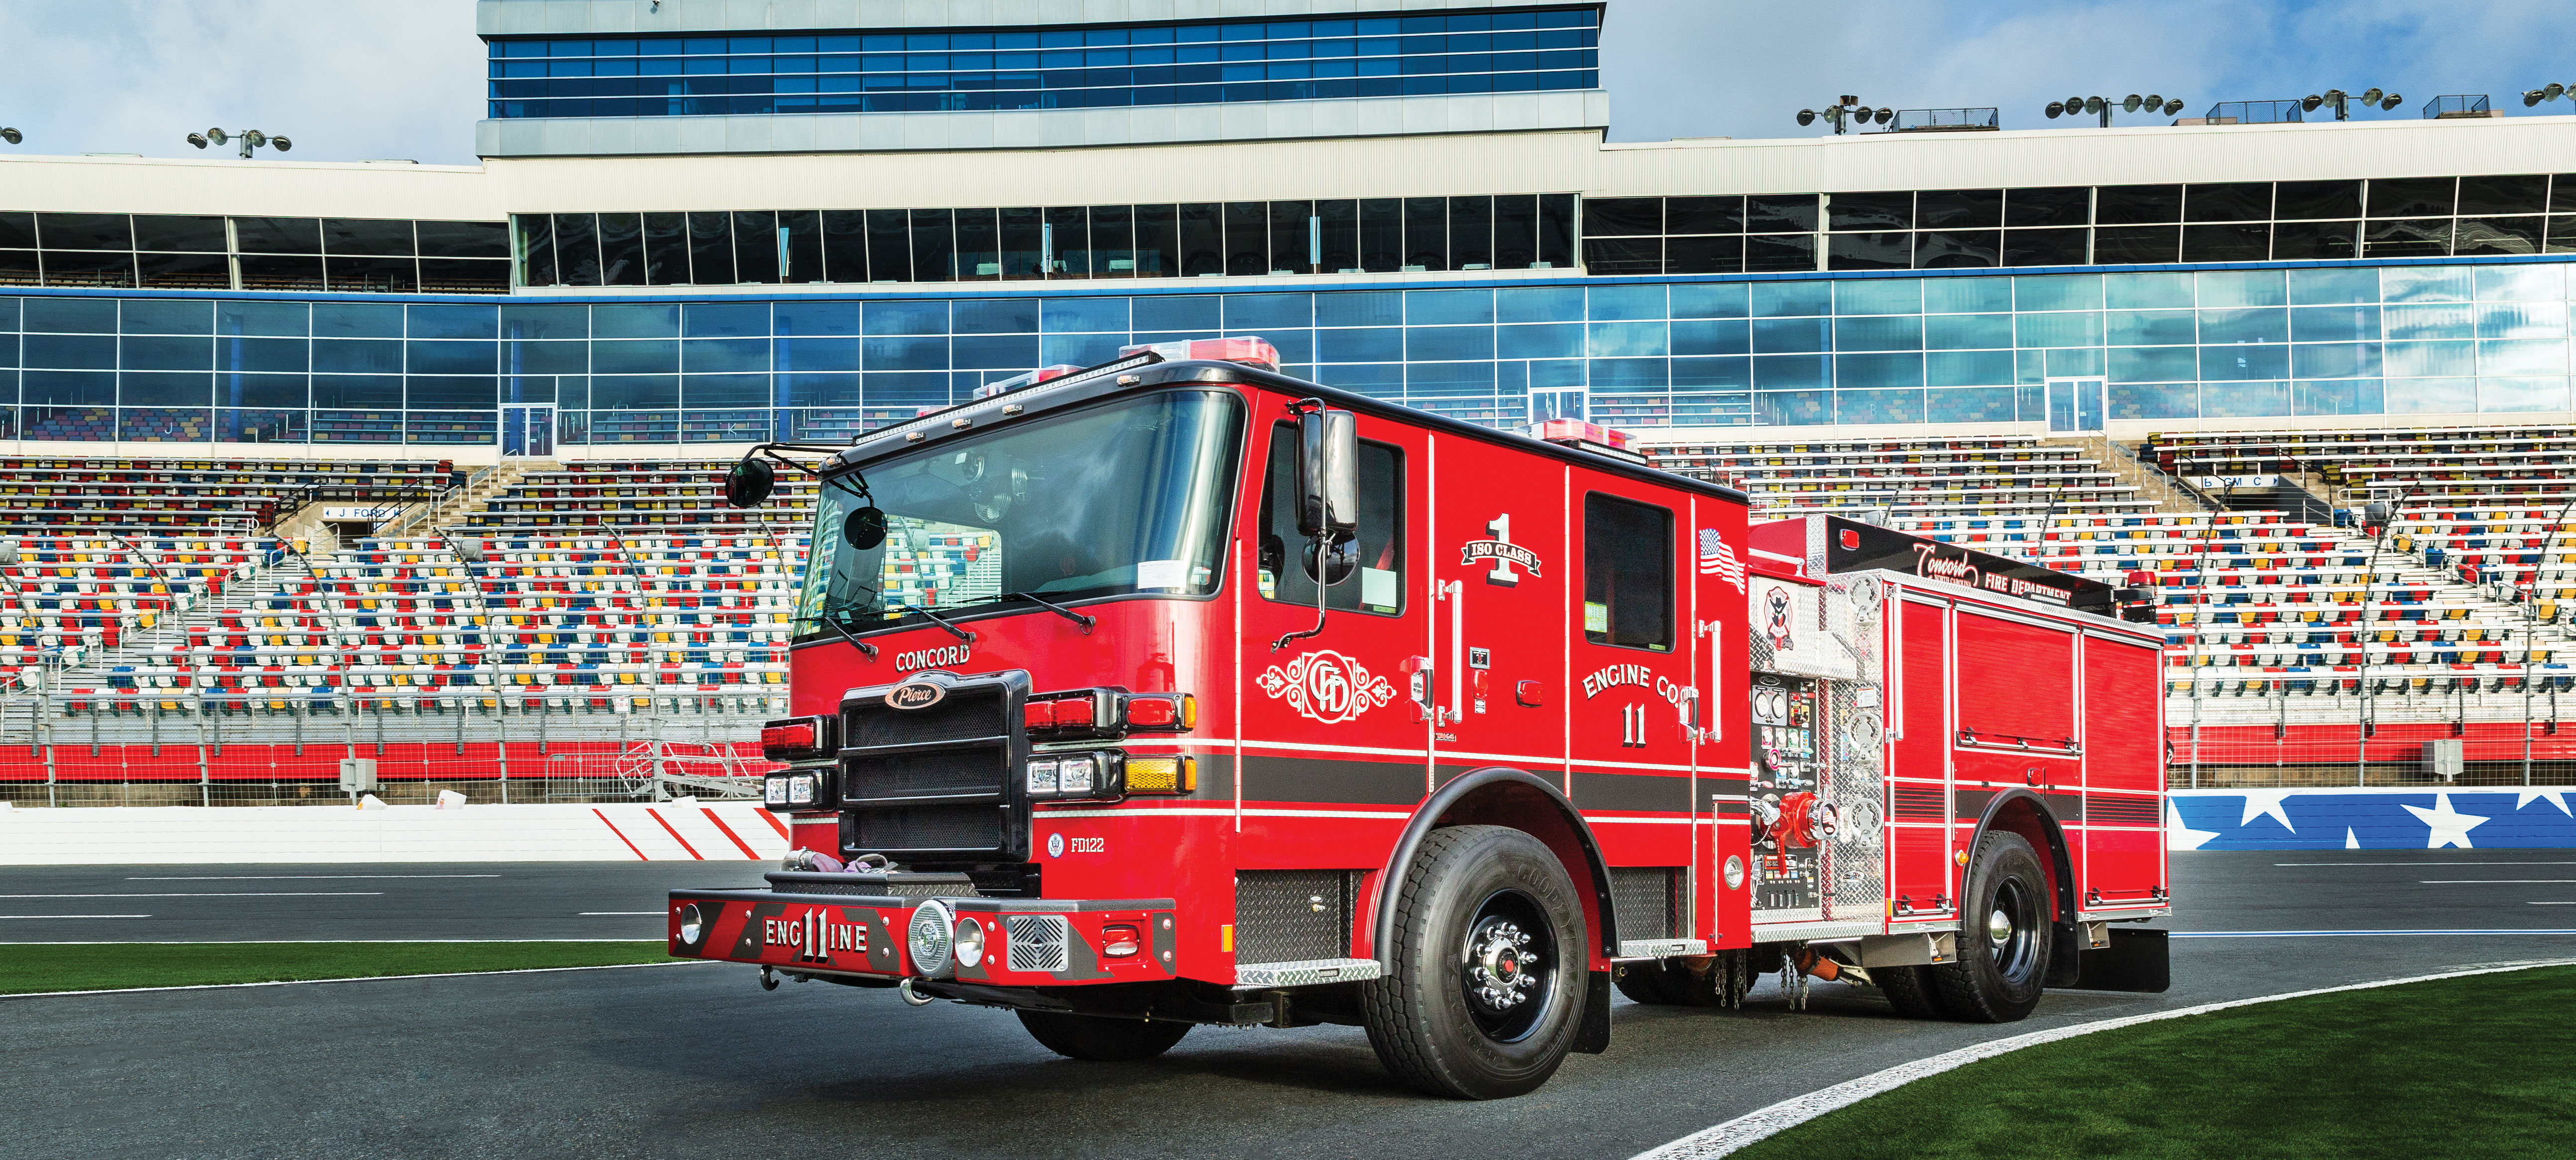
(2484, 932)
(265, 894)
(245, 942)
(314, 877)
(1789, 1113)
(363, 979)
(2497, 881)
(614, 913)
(2403, 864)
(45, 916)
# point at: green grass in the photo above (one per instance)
(32, 967)
(2463, 1067)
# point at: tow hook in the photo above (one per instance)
(904, 990)
(768, 980)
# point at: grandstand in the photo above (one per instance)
(528, 623)
(2284, 634)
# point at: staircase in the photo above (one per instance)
(2279, 494)
(452, 506)
(2152, 482)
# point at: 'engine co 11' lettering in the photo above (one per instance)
(1613, 676)
(924, 658)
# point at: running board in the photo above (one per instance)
(1305, 972)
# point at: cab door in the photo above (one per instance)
(1328, 724)
(1633, 704)
(1499, 573)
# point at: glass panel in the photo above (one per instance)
(2504, 195)
(666, 249)
(1946, 209)
(1622, 216)
(889, 247)
(1471, 232)
(2301, 240)
(1776, 213)
(804, 245)
(2137, 204)
(1958, 249)
(979, 245)
(2045, 247)
(1704, 215)
(2397, 197)
(2244, 201)
(711, 249)
(933, 246)
(1202, 240)
(1555, 230)
(1158, 244)
(177, 233)
(1426, 233)
(2058, 206)
(1893, 210)
(2318, 199)
(1247, 239)
(621, 250)
(1064, 244)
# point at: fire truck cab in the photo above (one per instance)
(1177, 691)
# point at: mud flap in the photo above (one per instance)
(2135, 960)
(1593, 1037)
(2065, 950)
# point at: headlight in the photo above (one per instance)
(970, 942)
(800, 789)
(929, 936)
(1042, 776)
(692, 924)
(775, 792)
(1076, 774)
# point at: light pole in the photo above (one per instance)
(2378, 519)
(2340, 100)
(1845, 110)
(2530, 615)
(2102, 106)
(250, 139)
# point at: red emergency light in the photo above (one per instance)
(1109, 712)
(1031, 379)
(1249, 350)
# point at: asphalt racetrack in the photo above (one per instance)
(696, 1060)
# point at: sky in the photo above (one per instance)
(363, 79)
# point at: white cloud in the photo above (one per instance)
(345, 79)
(1693, 68)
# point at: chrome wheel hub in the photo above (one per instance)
(1999, 928)
(1500, 964)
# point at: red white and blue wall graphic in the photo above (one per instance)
(2409, 818)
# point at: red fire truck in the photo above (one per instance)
(1176, 691)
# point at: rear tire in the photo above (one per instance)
(1486, 991)
(1101, 1040)
(1910, 990)
(2004, 935)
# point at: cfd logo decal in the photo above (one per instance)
(1327, 686)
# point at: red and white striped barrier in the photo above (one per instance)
(623, 832)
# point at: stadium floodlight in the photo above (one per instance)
(2340, 101)
(10, 135)
(250, 139)
(1846, 111)
(2103, 107)
(2550, 92)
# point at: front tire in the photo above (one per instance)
(2004, 935)
(1487, 988)
(1100, 1040)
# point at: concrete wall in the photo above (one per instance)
(195, 835)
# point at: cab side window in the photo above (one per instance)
(1378, 585)
(1627, 573)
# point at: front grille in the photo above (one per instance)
(1287, 916)
(1646, 901)
(961, 769)
(967, 713)
(965, 829)
(937, 785)
(1038, 942)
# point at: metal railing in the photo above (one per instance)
(1948, 120)
(2457, 105)
(2254, 113)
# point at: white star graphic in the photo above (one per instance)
(2449, 826)
(2350, 842)
(2180, 836)
(2259, 802)
(2555, 797)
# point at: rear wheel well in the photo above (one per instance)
(2022, 812)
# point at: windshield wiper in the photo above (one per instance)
(835, 625)
(936, 619)
(1085, 621)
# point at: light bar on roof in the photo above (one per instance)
(1031, 379)
(1250, 350)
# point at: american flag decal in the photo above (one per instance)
(1716, 559)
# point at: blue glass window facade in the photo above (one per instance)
(2454, 336)
(1515, 51)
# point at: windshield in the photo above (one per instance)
(1125, 498)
